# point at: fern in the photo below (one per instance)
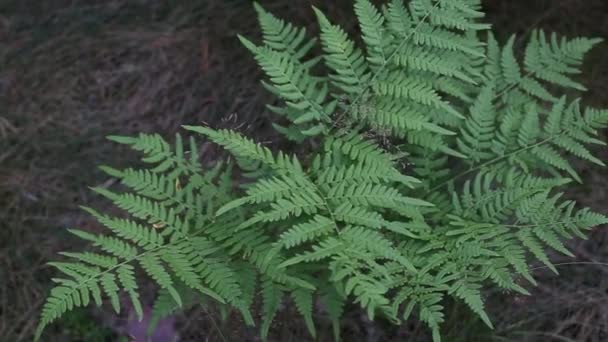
(282, 36)
(351, 71)
(436, 165)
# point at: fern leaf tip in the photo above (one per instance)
(247, 43)
(121, 139)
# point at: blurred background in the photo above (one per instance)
(72, 72)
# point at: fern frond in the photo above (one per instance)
(304, 303)
(530, 242)
(451, 15)
(414, 90)
(399, 20)
(546, 60)
(373, 195)
(399, 119)
(283, 36)
(432, 36)
(127, 281)
(304, 232)
(361, 216)
(323, 250)
(292, 82)
(283, 208)
(363, 172)
(371, 22)
(242, 147)
(158, 151)
(375, 243)
(334, 305)
(341, 55)
(421, 59)
(510, 67)
(272, 190)
(154, 268)
(142, 236)
(470, 294)
(431, 313)
(271, 298)
(551, 60)
(357, 148)
(476, 136)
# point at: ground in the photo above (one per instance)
(72, 72)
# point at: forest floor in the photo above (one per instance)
(73, 72)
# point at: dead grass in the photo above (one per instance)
(71, 74)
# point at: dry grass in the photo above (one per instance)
(71, 74)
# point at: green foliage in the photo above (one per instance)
(436, 165)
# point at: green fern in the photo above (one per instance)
(437, 160)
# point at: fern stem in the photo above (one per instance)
(326, 205)
(215, 325)
(538, 225)
(597, 263)
(492, 161)
(511, 86)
